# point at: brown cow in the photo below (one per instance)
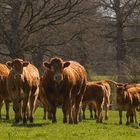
(128, 98)
(64, 83)
(107, 91)
(107, 96)
(4, 71)
(95, 93)
(23, 87)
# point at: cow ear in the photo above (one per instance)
(47, 65)
(66, 64)
(125, 86)
(25, 63)
(9, 63)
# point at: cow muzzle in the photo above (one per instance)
(58, 77)
(17, 76)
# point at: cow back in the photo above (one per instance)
(94, 92)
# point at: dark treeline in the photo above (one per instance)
(103, 35)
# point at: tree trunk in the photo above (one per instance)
(120, 43)
(14, 43)
(37, 59)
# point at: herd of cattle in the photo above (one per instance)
(63, 84)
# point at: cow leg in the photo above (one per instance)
(7, 109)
(95, 113)
(24, 108)
(49, 115)
(16, 109)
(1, 103)
(67, 110)
(71, 111)
(135, 116)
(90, 109)
(45, 112)
(77, 108)
(65, 113)
(33, 100)
(120, 115)
(131, 116)
(106, 111)
(80, 113)
(53, 111)
(127, 116)
(99, 117)
(44, 104)
(83, 109)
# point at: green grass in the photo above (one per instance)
(86, 130)
(102, 77)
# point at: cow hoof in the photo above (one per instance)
(44, 118)
(64, 120)
(80, 120)
(7, 117)
(20, 118)
(54, 121)
(24, 120)
(91, 117)
(131, 121)
(127, 123)
(16, 120)
(70, 122)
(75, 122)
(31, 120)
(84, 117)
(95, 117)
(106, 118)
(49, 117)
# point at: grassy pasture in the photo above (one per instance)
(103, 77)
(86, 130)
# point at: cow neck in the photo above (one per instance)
(17, 84)
(58, 87)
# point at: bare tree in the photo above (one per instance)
(119, 11)
(22, 20)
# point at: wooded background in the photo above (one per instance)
(103, 35)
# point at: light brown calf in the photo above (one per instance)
(107, 92)
(95, 93)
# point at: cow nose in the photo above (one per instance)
(17, 76)
(58, 78)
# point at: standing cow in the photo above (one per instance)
(95, 94)
(64, 82)
(4, 71)
(128, 98)
(107, 93)
(23, 87)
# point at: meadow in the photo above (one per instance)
(86, 130)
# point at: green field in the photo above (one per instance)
(86, 130)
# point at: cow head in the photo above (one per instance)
(17, 65)
(121, 88)
(56, 66)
